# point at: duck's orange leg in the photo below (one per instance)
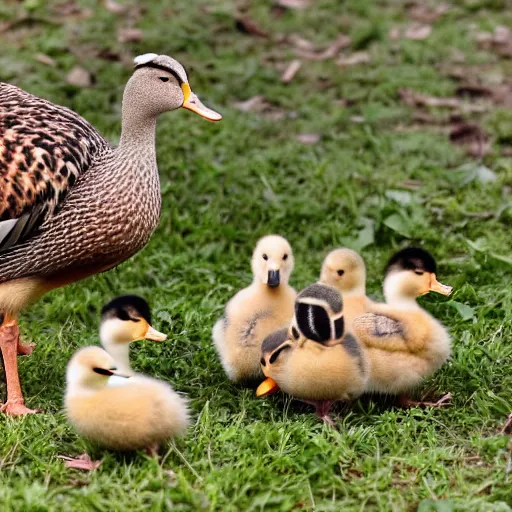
(9, 345)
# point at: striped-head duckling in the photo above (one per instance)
(320, 371)
(142, 413)
(256, 311)
(345, 270)
(123, 320)
(405, 344)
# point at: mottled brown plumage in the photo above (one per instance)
(71, 204)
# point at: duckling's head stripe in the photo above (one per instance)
(274, 340)
(313, 322)
(412, 258)
(322, 292)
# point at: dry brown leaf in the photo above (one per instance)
(354, 59)
(293, 4)
(259, 105)
(499, 41)
(79, 77)
(45, 59)
(357, 119)
(308, 138)
(115, 7)
(394, 34)
(300, 42)
(290, 71)
(424, 14)
(331, 51)
(416, 99)
(472, 138)
(246, 25)
(417, 31)
(130, 35)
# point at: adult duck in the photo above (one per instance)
(71, 204)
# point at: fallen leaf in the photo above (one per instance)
(293, 4)
(130, 35)
(290, 71)
(418, 31)
(45, 59)
(247, 26)
(499, 41)
(79, 77)
(114, 7)
(338, 44)
(260, 105)
(416, 99)
(357, 119)
(354, 59)
(308, 138)
(472, 138)
(424, 14)
(394, 34)
(412, 184)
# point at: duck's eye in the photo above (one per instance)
(285, 257)
(340, 272)
(295, 333)
(262, 361)
(164, 78)
(265, 257)
(419, 272)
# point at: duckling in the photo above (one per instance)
(404, 343)
(123, 320)
(256, 311)
(318, 371)
(71, 204)
(344, 269)
(139, 414)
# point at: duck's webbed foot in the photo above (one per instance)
(152, 449)
(83, 462)
(405, 402)
(322, 408)
(17, 407)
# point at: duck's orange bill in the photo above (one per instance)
(436, 286)
(193, 103)
(267, 387)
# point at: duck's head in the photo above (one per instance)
(91, 367)
(160, 84)
(275, 350)
(344, 269)
(410, 273)
(318, 315)
(272, 261)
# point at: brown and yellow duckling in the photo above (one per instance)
(404, 343)
(344, 269)
(319, 371)
(124, 320)
(71, 204)
(141, 413)
(256, 311)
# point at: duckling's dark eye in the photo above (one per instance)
(419, 272)
(285, 257)
(265, 257)
(262, 361)
(102, 371)
(295, 333)
(340, 272)
(164, 78)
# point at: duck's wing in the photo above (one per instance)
(44, 149)
(380, 331)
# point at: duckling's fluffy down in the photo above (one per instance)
(142, 412)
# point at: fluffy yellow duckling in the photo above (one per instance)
(318, 371)
(344, 269)
(123, 320)
(256, 311)
(139, 414)
(404, 343)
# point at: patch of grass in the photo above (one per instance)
(225, 185)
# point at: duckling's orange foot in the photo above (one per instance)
(508, 425)
(322, 408)
(152, 449)
(404, 401)
(84, 462)
(25, 349)
(16, 407)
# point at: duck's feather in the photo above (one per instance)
(378, 325)
(44, 148)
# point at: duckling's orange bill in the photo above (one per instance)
(436, 286)
(193, 103)
(267, 387)
(154, 335)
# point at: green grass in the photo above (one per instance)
(225, 185)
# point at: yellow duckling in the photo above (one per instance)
(139, 414)
(256, 311)
(344, 269)
(123, 320)
(317, 372)
(404, 343)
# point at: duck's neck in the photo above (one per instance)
(395, 298)
(357, 291)
(138, 130)
(121, 354)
